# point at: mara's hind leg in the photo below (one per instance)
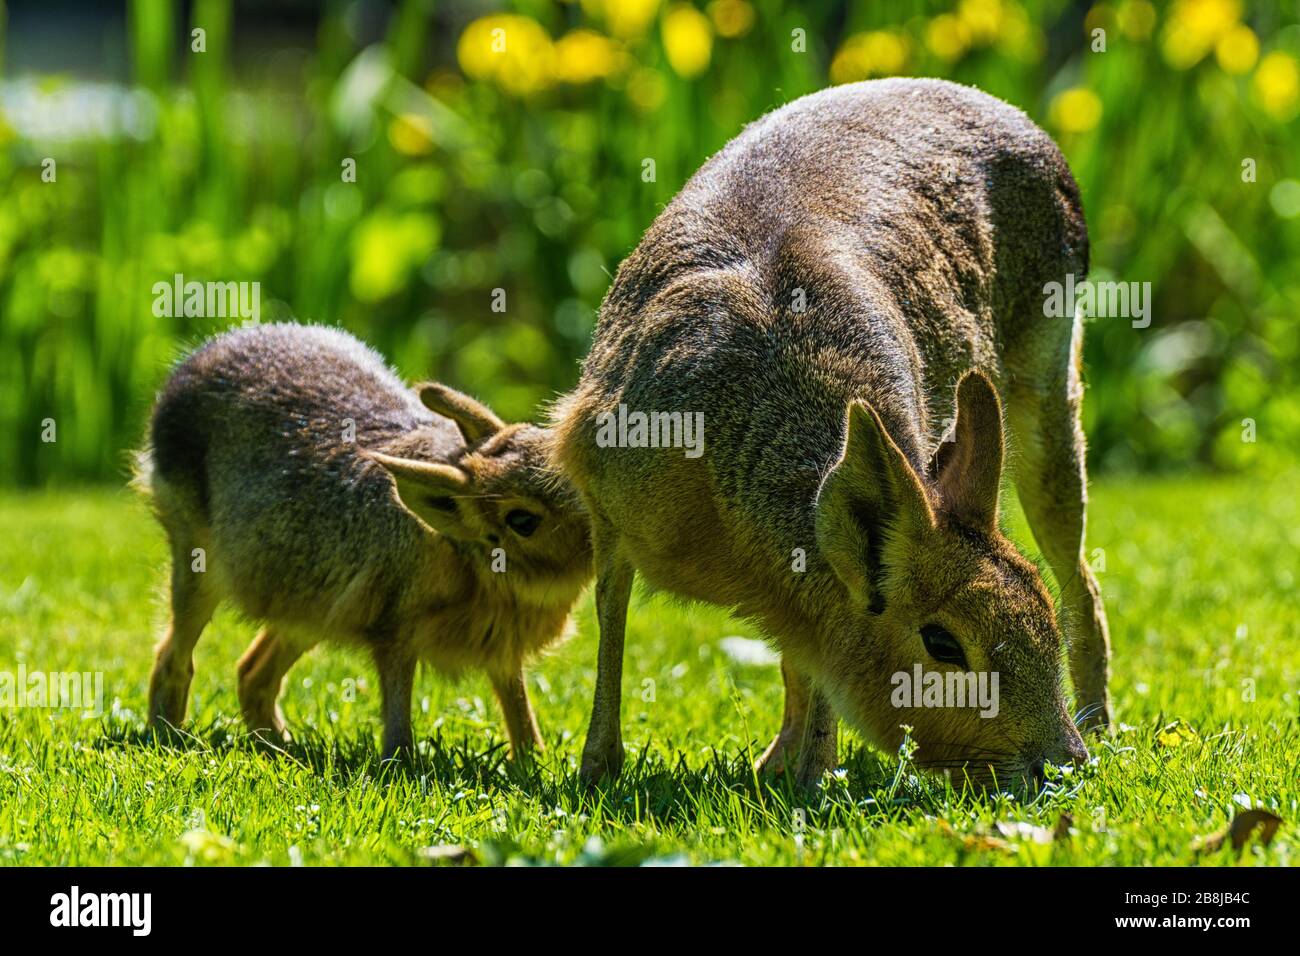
(193, 601)
(1052, 484)
(261, 676)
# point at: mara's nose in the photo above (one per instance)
(1075, 749)
(1072, 751)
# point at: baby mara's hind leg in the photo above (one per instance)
(193, 601)
(261, 676)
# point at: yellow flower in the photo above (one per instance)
(1020, 39)
(877, 53)
(1237, 50)
(982, 19)
(1075, 110)
(585, 55)
(688, 40)
(1209, 17)
(411, 135)
(1277, 85)
(513, 51)
(645, 88)
(1136, 19)
(947, 37)
(731, 18)
(1194, 27)
(627, 19)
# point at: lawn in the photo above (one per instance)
(1200, 579)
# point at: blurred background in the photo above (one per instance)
(480, 169)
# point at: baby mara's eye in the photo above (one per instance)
(440, 503)
(523, 523)
(942, 646)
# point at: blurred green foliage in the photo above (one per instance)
(503, 148)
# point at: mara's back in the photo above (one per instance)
(871, 241)
(259, 436)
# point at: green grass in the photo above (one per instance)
(1200, 582)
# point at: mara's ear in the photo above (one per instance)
(430, 490)
(872, 489)
(474, 419)
(967, 466)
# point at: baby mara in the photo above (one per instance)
(298, 478)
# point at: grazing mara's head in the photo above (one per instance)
(947, 628)
(499, 500)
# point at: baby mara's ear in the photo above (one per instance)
(432, 491)
(967, 467)
(474, 419)
(871, 489)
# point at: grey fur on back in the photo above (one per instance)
(249, 436)
(921, 236)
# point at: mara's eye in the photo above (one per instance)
(942, 646)
(440, 503)
(523, 523)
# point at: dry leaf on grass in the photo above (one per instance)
(1239, 831)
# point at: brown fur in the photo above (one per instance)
(920, 221)
(386, 541)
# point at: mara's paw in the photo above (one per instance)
(272, 736)
(601, 762)
(398, 752)
(162, 731)
(815, 762)
(781, 755)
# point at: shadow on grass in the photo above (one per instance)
(668, 792)
(328, 755)
(867, 791)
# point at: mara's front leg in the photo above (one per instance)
(602, 756)
(817, 752)
(806, 743)
(521, 722)
(396, 664)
